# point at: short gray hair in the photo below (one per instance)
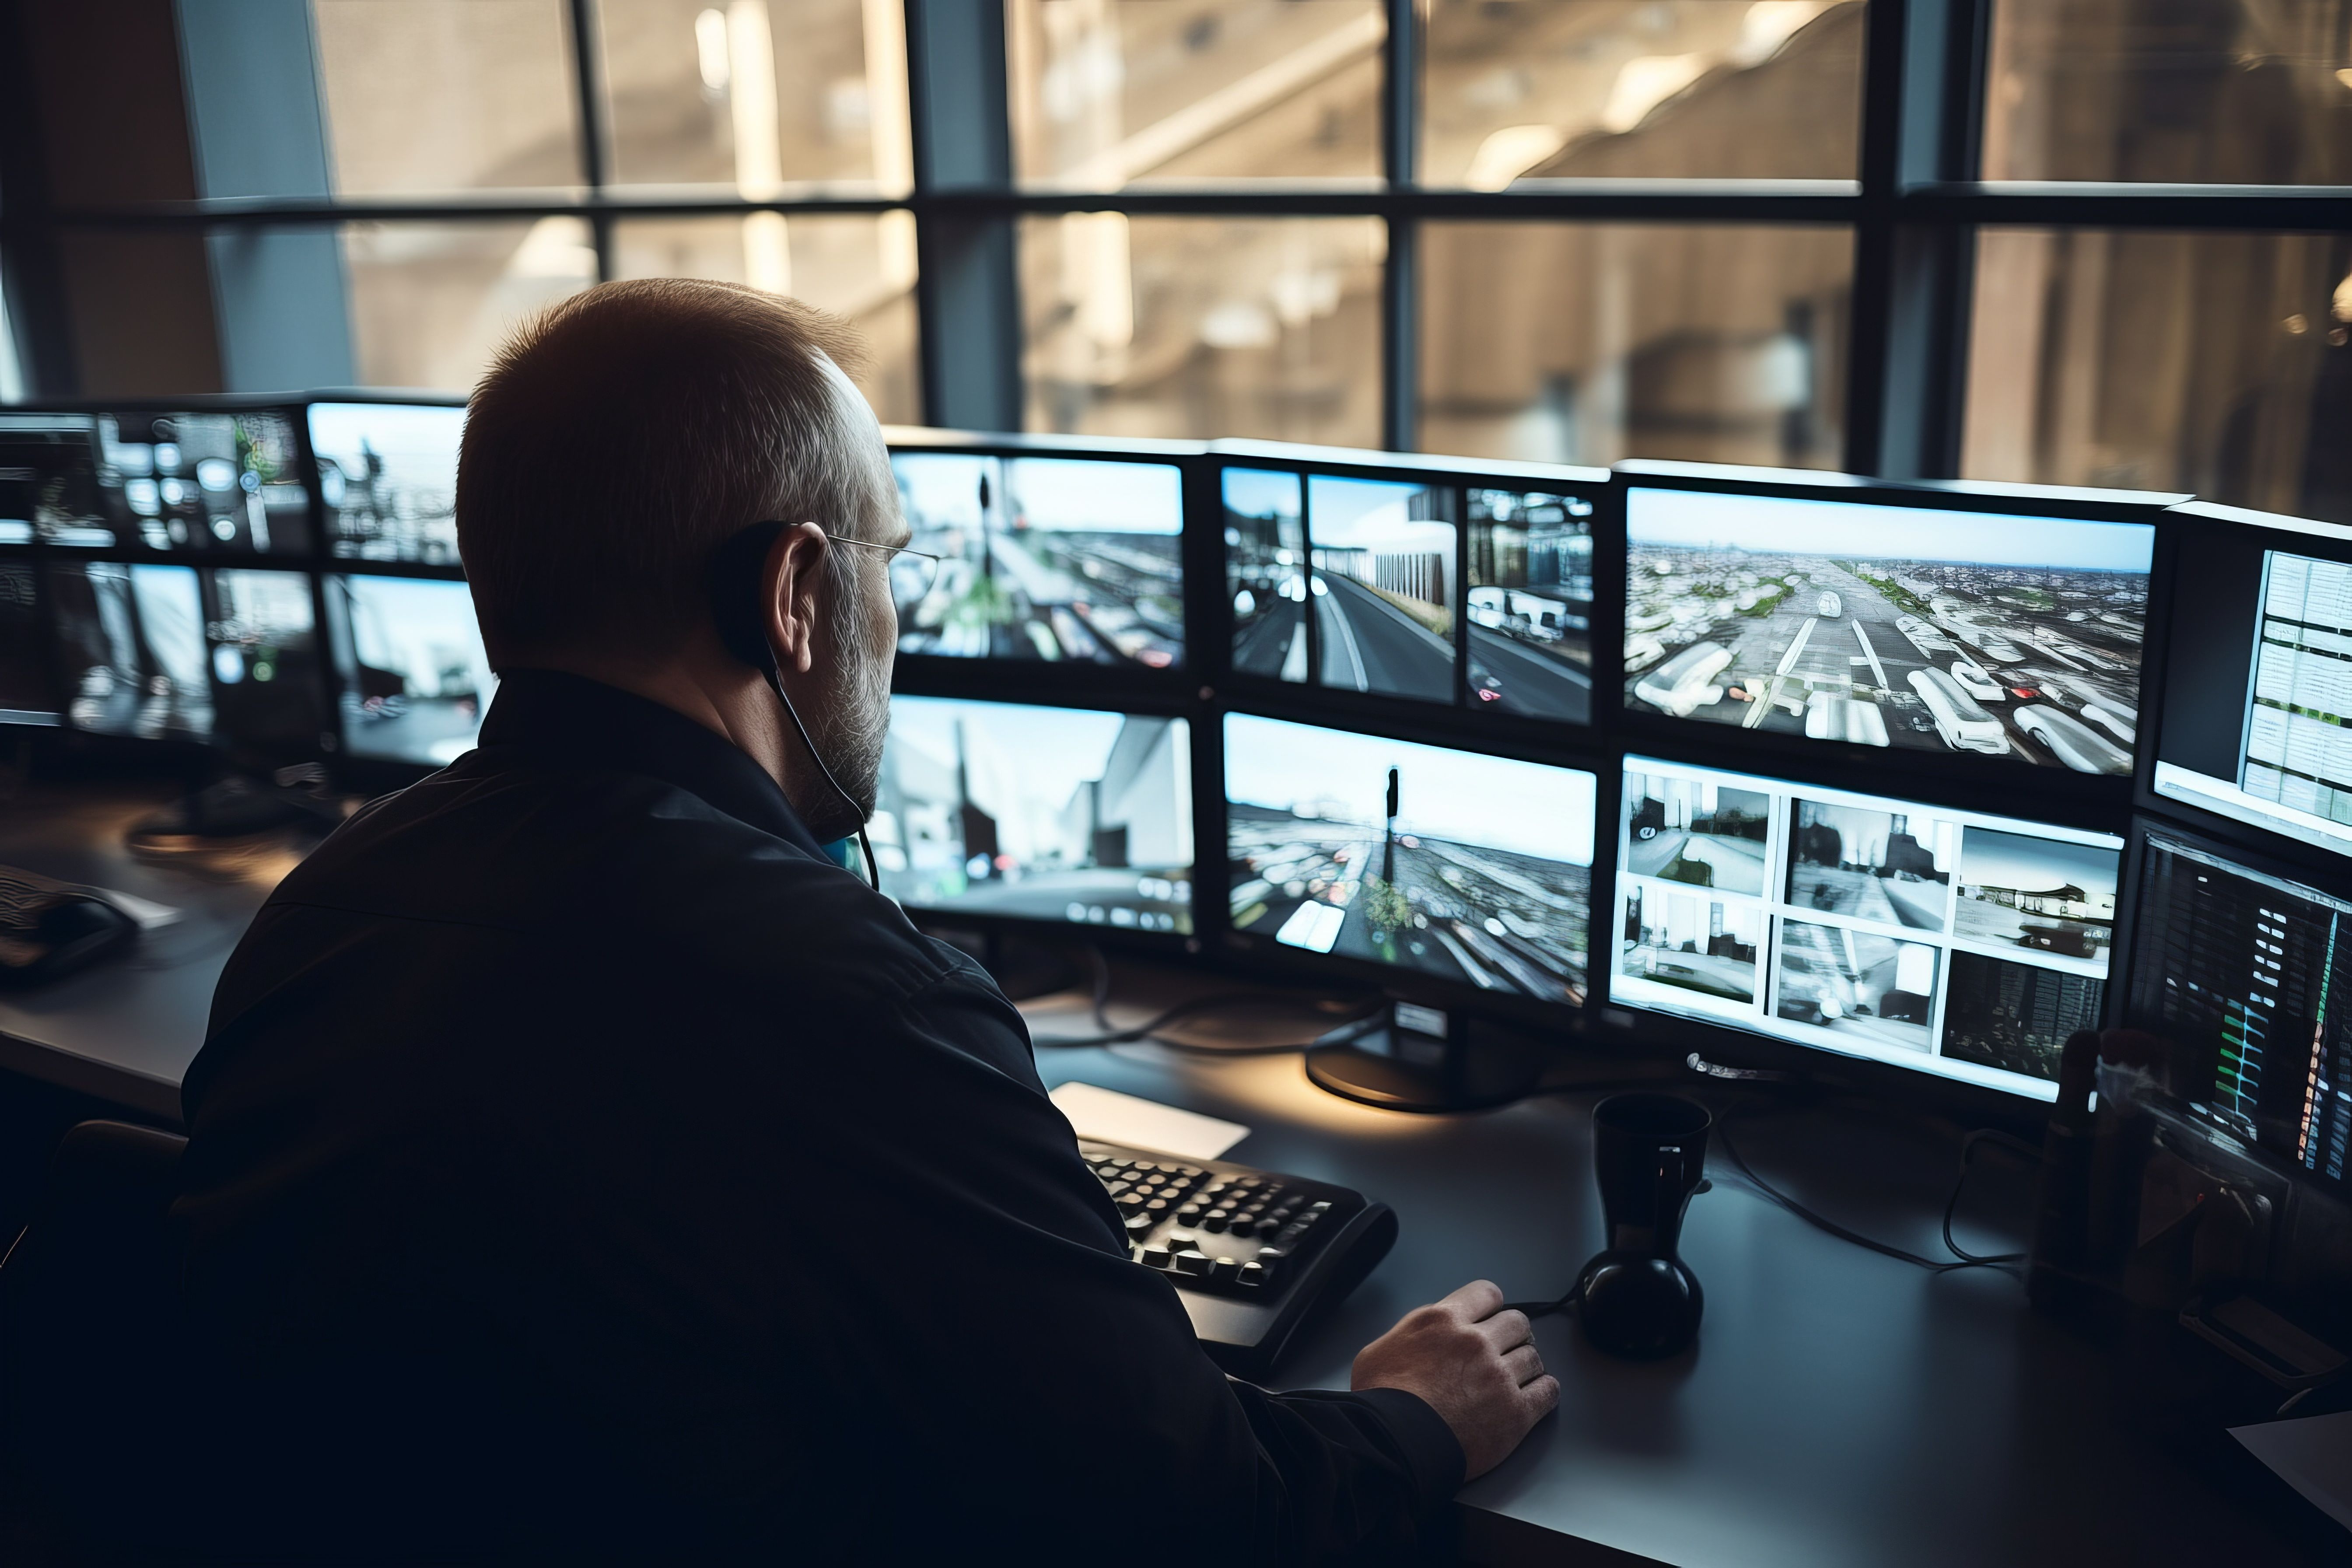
(622, 435)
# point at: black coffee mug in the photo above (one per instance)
(1637, 1298)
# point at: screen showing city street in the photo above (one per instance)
(1043, 558)
(1852, 982)
(1530, 604)
(1881, 625)
(1266, 571)
(388, 474)
(1382, 590)
(269, 696)
(1050, 813)
(131, 643)
(1474, 868)
(416, 680)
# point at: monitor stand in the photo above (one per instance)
(1429, 1059)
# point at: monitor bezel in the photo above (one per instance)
(1263, 956)
(1938, 772)
(1461, 475)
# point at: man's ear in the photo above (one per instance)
(789, 580)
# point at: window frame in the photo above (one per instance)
(1913, 211)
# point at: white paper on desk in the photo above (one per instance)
(1117, 1118)
(149, 915)
(2314, 1455)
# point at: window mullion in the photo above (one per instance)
(587, 78)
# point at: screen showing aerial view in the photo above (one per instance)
(1960, 944)
(1880, 626)
(416, 680)
(1530, 604)
(1044, 558)
(178, 482)
(388, 475)
(1051, 814)
(1474, 868)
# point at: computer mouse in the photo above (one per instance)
(49, 939)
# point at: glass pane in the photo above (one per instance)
(2212, 362)
(447, 95)
(1585, 343)
(2217, 91)
(1109, 93)
(860, 268)
(431, 302)
(1204, 327)
(1673, 88)
(757, 95)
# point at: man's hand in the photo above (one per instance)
(1475, 1366)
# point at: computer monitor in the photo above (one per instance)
(1950, 942)
(1006, 810)
(131, 645)
(415, 680)
(388, 480)
(1472, 870)
(2243, 968)
(1443, 586)
(162, 651)
(27, 688)
(1074, 560)
(2257, 713)
(1890, 620)
(179, 482)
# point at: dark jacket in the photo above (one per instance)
(583, 1164)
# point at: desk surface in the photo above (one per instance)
(1841, 1409)
(124, 1032)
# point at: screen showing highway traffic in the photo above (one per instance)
(1474, 868)
(1042, 558)
(1883, 626)
(1960, 944)
(1051, 814)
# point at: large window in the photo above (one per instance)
(2084, 241)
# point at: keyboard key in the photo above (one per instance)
(1216, 1220)
(1155, 1257)
(1242, 1224)
(1224, 1268)
(1252, 1276)
(1191, 1262)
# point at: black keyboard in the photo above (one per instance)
(1252, 1254)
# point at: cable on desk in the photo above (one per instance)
(1773, 1195)
(1968, 1146)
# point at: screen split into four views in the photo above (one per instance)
(1476, 869)
(1360, 585)
(1914, 627)
(1041, 558)
(1961, 944)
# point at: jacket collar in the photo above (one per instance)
(585, 723)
